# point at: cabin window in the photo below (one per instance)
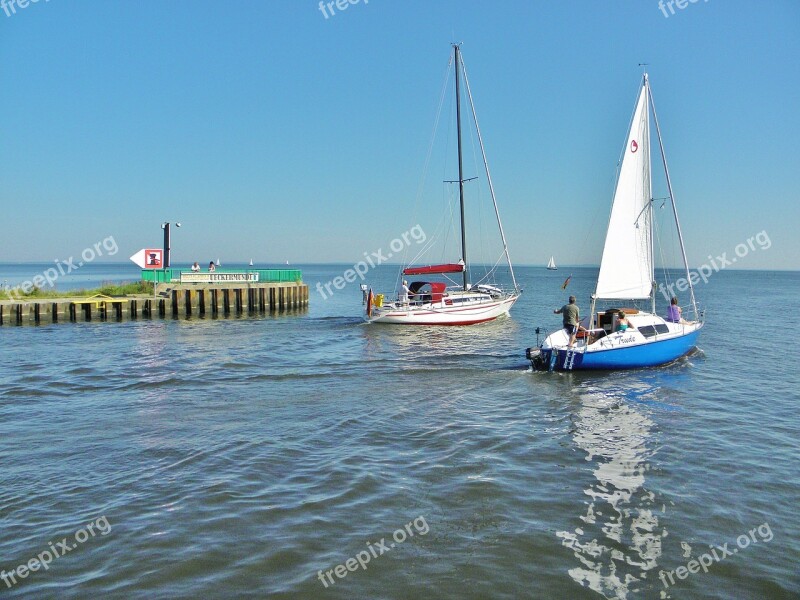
(647, 331)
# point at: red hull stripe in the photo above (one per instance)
(453, 322)
(448, 310)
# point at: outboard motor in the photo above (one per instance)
(535, 354)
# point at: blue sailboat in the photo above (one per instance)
(622, 330)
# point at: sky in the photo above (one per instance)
(277, 131)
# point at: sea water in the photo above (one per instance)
(255, 457)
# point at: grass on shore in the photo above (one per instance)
(107, 289)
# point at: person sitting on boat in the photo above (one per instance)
(622, 323)
(571, 319)
(674, 312)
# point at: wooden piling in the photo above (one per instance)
(173, 301)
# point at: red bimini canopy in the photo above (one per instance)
(433, 269)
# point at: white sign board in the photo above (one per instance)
(219, 277)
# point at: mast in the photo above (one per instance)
(460, 165)
(651, 215)
(672, 198)
(489, 181)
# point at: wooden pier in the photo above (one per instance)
(171, 300)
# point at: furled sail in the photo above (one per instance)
(434, 269)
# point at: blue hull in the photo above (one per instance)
(630, 357)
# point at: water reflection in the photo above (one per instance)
(618, 541)
(436, 340)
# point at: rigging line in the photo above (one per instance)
(488, 174)
(426, 166)
(437, 120)
(451, 280)
(442, 94)
(449, 220)
(491, 271)
(448, 192)
(596, 216)
(672, 195)
(665, 272)
(478, 203)
(416, 257)
(428, 244)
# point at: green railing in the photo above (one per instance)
(264, 275)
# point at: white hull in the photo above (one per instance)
(430, 302)
(475, 308)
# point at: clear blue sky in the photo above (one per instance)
(274, 133)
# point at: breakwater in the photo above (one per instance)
(171, 299)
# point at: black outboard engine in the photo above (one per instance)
(535, 354)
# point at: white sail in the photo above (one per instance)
(626, 269)
(552, 263)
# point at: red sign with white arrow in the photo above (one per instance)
(149, 258)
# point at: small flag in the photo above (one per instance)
(370, 296)
(566, 282)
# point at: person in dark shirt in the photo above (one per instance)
(571, 319)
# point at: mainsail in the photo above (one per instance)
(626, 269)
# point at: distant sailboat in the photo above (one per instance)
(218, 263)
(627, 273)
(251, 262)
(551, 266)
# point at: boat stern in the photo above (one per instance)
(553, 353)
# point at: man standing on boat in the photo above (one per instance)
(405, 292)
(572, 317)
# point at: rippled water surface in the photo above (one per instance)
(241, 457)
